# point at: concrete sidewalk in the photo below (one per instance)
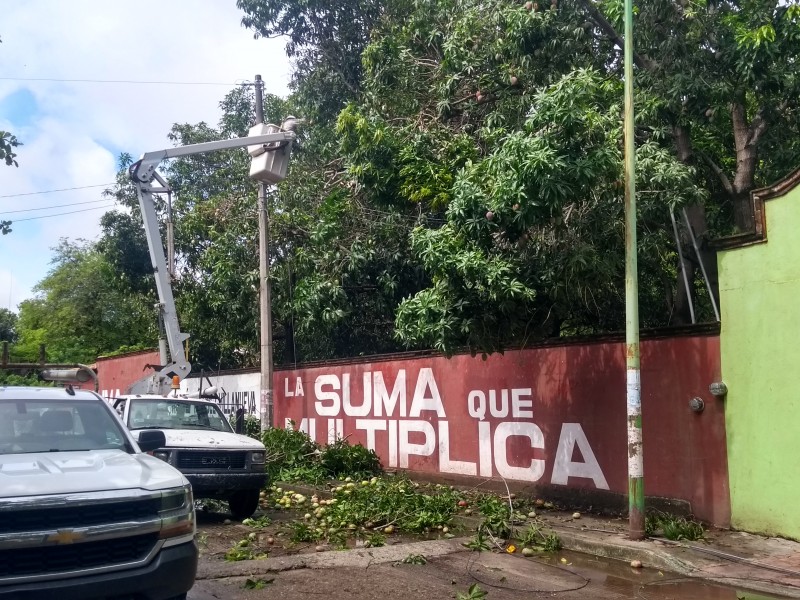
(766, 565)
(763, 564)
(737, 559)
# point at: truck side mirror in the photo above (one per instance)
(151, 439)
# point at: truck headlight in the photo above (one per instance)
(177, 500)
(162, 454)
(257, 457)
(177, 515)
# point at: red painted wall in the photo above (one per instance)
(568, 398)
(559, 401)
(116, 373)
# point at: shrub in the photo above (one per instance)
(340, 458)
(252, 425)
(672, 527)
(292, 456)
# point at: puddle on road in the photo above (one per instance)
(581, 575)
(648, 583)
(683, 590)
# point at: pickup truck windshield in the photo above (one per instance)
(58, 426)
(175, 413)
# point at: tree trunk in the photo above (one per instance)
(696, 214)
(681, 314)
(745, 138)
(290, 354)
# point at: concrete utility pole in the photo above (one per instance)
(633, 370)
(265, 301)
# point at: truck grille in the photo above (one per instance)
(205, 459)
(79, 516)
(74, 557)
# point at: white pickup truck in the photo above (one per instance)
(84, 512)
(200, 442)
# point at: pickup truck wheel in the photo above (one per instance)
(178, 597)
(243, 503)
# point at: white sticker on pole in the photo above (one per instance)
(635, 459)
(634, 386)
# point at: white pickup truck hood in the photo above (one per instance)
(44, 473)
(197, 438)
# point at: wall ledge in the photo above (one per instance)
(758, 198)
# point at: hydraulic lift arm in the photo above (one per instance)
(148, 183)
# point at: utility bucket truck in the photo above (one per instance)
(199, 440)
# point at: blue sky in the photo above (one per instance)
(73, 132)
(20, 108)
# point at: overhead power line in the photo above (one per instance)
(9, 212)
(71, 212)
(82, 187)
(126, 81)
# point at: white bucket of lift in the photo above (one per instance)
(269, 161)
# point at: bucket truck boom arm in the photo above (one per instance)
(270, 152)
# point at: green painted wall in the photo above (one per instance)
(760, 346)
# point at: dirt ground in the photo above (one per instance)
(502, 576)
(219, 535)
(564, 575)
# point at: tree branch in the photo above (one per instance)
(758, 125)
(726, 183)
(683, 143)
(333, 66)
(641, 61)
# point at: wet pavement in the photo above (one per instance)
(565, 575)
(723, 565)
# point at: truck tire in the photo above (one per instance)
(243, 503)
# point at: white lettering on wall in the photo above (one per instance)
(564, 468)
(298, 388)
(371, 426)
(407, 448)
(366, 405)
(393, 444)
(388, 402)
(485, 449)
(509, 429)
(335, 430)
(422, 401)
(445, 464)
(476, 404)
(521, 403)
(380, 404)
(309, 427)
(498, 412)
(327, 410)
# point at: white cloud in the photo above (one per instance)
(73, 131)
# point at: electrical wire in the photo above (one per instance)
(471, 573)
(8, 212)
(126, 81)
(291, 294)
(71, 212)
(412, 218)
(497, 584)
(730, 557)
(81, 187)
(701, 582)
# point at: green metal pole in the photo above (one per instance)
(633, 371)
